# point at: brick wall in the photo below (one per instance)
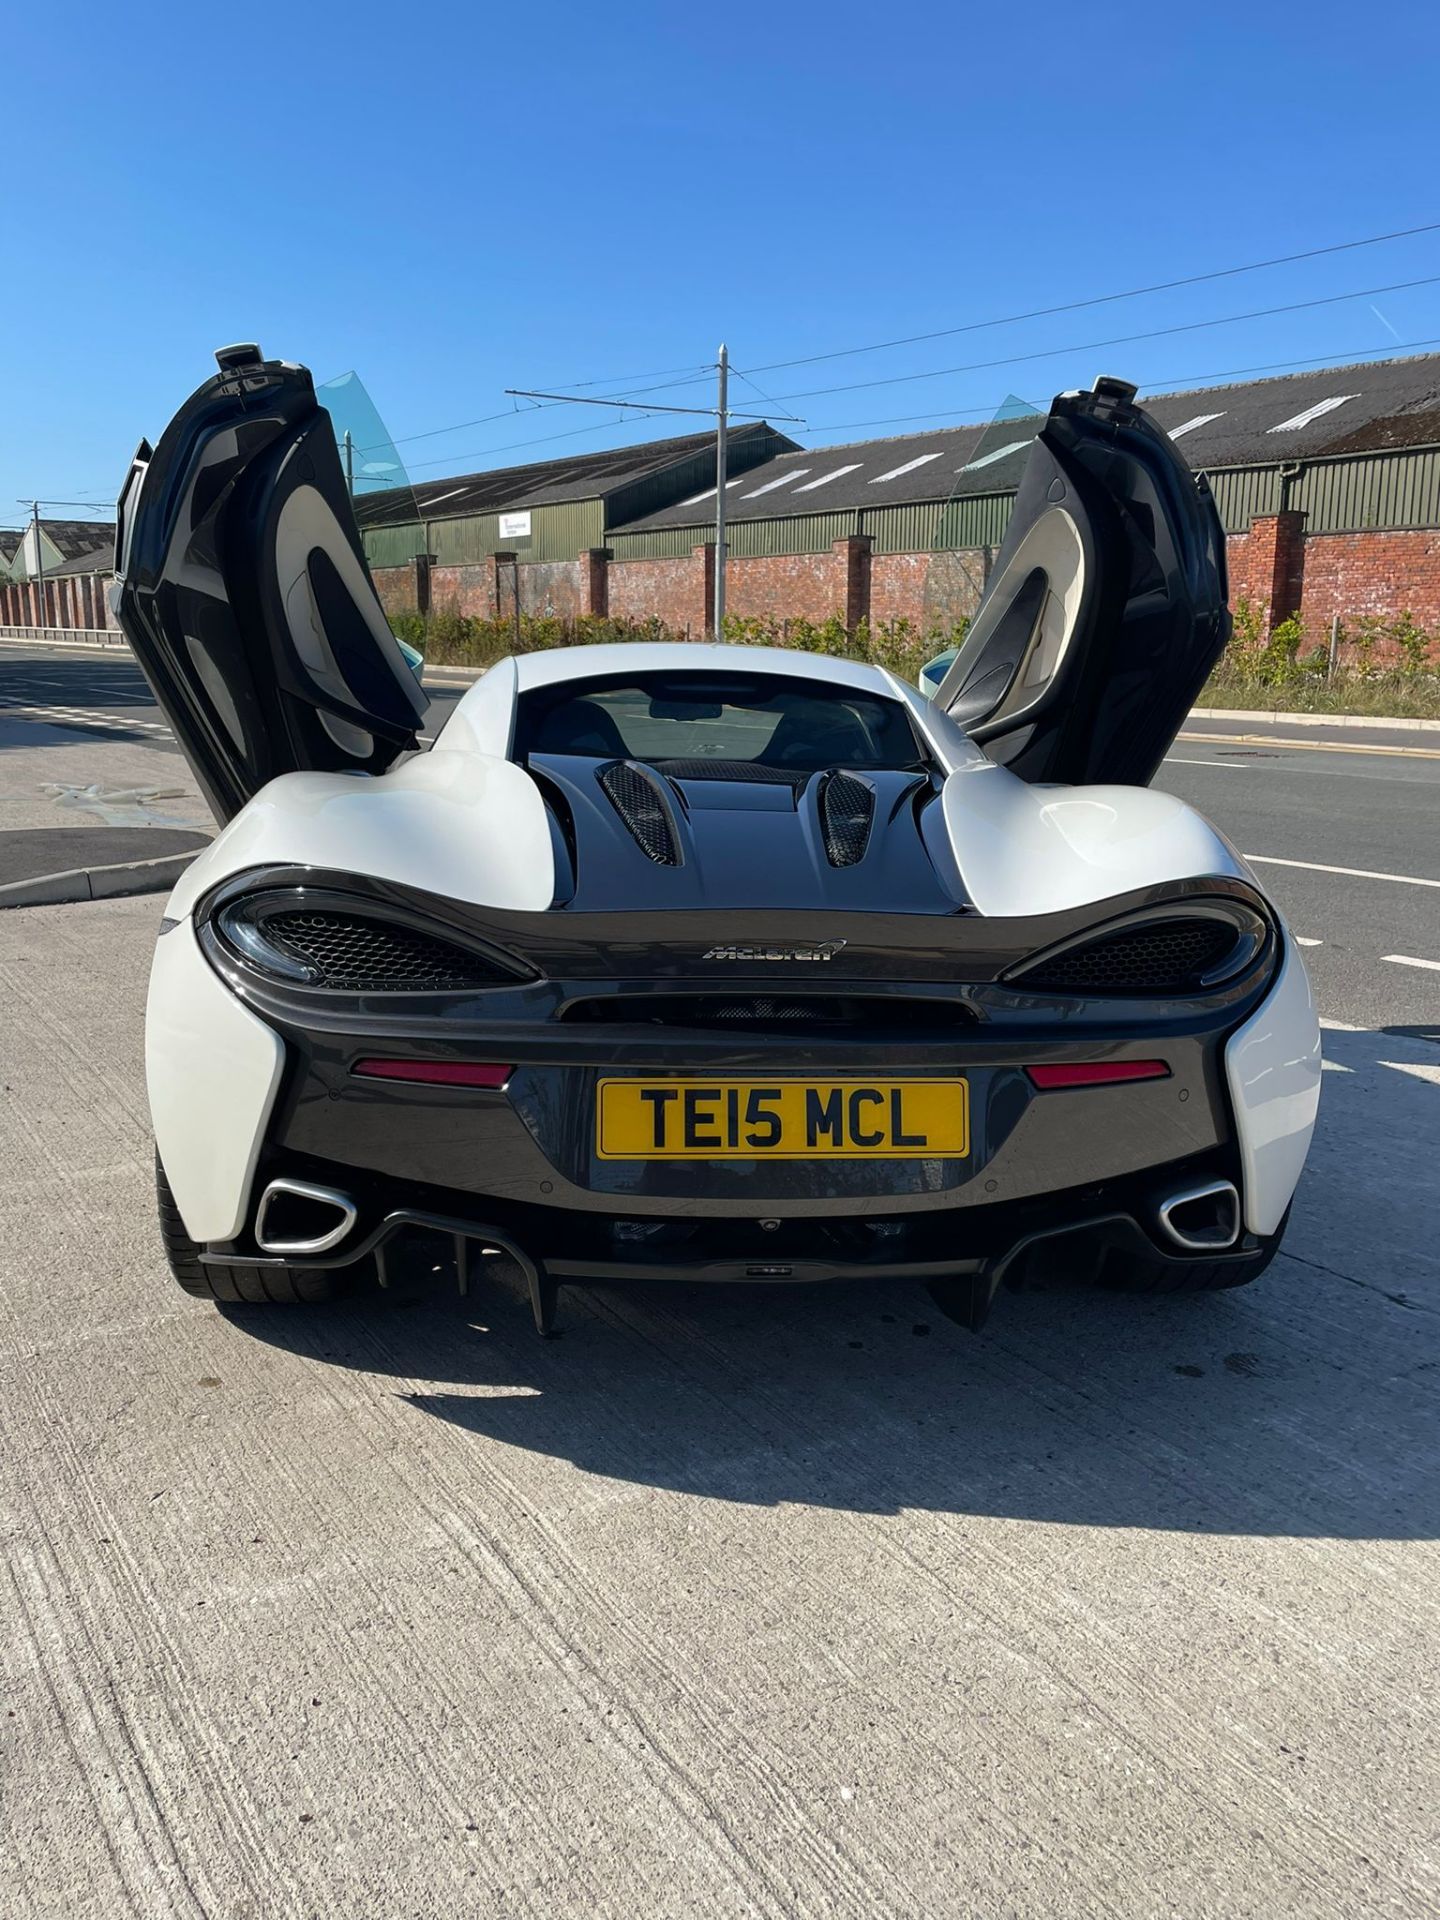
(1275, 565)
(70, 600)
(1380, 574)
(678, 592)
(928, 589)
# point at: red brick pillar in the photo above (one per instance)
(1271, 570)
(595, 582)
(705, 571)
(854, 554)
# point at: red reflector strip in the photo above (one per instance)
(1097, 1073)
(434, 1073)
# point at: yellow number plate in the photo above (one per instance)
(782, 1119)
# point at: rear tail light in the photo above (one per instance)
(434, 1073)
(1169, 953)
(1096, 1073)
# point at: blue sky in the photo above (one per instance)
(459, 198)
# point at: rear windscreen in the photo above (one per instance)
(797, 725)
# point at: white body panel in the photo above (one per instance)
(464, 826)
(1272, 1065)
(1025, 850)
(212, 1071)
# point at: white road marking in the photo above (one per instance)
(1409, 960)
(1183, 760)
(1350, 873)
(83, 717)
(1301, 941)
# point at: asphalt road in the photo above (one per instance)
(754, 1603)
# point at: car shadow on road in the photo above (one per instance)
(1305, 1405)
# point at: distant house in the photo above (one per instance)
(66, 546)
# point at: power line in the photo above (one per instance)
(509, 413)
(541, 440)
(697, 374)
(981, 415)
(1117, 340)
(1104, 299)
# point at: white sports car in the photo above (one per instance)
(705, 962)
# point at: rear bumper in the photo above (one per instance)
(1238, 1103)
(966, 1257)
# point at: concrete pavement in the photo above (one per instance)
(762, 1603)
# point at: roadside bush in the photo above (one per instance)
(449, 638)
(1276, 669)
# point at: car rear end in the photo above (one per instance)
(958, 1098)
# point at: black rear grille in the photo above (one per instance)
(1162, 956)
(635, 796)
(355, 954)
(847, 813)
(780, 1012)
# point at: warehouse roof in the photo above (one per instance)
(577, 476)
(1353, 409)
(74, 538)
(99, 558)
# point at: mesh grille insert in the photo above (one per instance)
(639, 805)
(355, 954)
(847, 812)
(1166, 956)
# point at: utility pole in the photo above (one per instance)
(39, 566)
(720, 413)
(722, 451)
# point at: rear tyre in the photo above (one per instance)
(252, 1286)
(1134, 1273)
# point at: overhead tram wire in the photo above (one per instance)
(1102, 299)
(509, 413)
(979, 415)
(1173, 383)
(1116, 340)
(699, 372)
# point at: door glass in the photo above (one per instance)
(970, 525)
(375, 476)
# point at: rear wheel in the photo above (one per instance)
(255, 1286)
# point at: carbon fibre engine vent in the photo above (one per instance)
(351, 953)
(636, 798)
(1163, 956)
(847, 813)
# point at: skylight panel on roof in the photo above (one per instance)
(1313, 413)
(909, 467)
(989, 459)
(826, 478)
(770, 485)
(435, 499)
(1200, 420)
(709, 492)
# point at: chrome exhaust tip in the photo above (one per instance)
(309, 1219)
(1202, 1219)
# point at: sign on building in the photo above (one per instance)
(515, 526)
